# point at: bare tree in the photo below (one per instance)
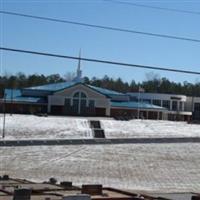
(150, 76)
(69, 76)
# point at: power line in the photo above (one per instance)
(154, 7)
(100, 61)
(101, 27)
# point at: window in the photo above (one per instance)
(76, 95)
(147, 101)
(91, 104)
(83, 95)
(157, 102)
(174, 105)
(166, 104)
(79, 103)
(197, 107)
(79, 95)
(181, 104)
(132, 98)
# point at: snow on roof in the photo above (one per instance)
(136, 105)
(53, 86)
(105, 91)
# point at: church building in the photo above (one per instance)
(75, 98)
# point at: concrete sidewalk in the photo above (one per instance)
(42, 142)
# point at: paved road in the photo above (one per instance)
(39, 142)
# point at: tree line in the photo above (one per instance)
(153, 84)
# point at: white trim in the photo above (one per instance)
(79, 90)
(79, 98)
(179, 112)
(141, 109)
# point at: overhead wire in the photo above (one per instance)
(153, 7)
(101, 27)
(101, 61)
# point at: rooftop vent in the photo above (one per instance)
(92, 189)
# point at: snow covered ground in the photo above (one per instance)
(150, 167)
(34, 127)
(149, 128)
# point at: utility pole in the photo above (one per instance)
(11, 106)
(138, 110)
(140, 90)
(193, 107)
(4, 117)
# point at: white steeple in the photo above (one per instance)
(78, 77)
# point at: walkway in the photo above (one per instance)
(39, 142)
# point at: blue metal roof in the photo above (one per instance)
(15, 95)
(54, 86)
(29, 96)
(105, 91)
(11, 93)
(63, 85)
(136, 105)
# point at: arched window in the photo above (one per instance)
(83, 95)
(80, 95)
(76, 95)
(80, 102)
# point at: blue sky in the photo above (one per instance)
(65, 39)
